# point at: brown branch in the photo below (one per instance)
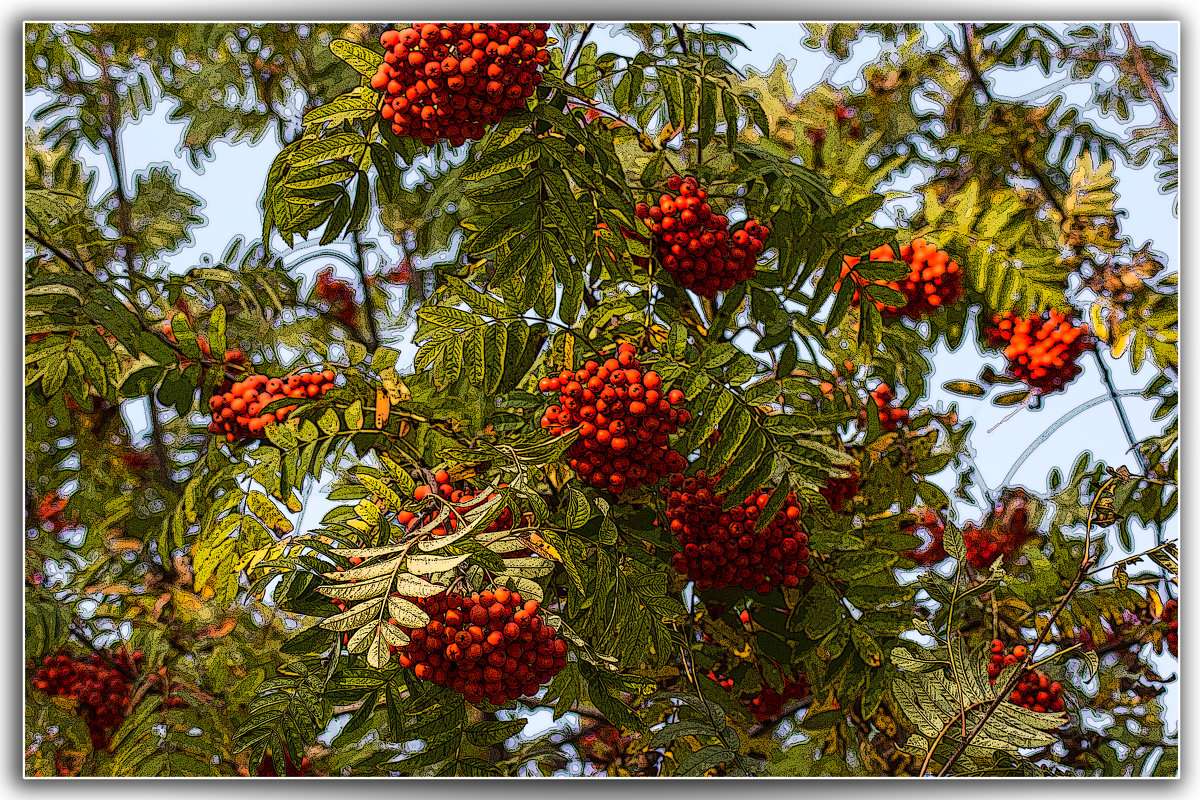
(1143, 71)
(368, 300)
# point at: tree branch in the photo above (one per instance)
(1143, 71)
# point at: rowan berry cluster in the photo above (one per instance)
(768, 704)
(722, 549)
(51, 510)
(239, 414)
(1034, 690)
(934, 549)
(933, 281)
(1000, 536)
(1170, 615)
(266, 767)
(337, 297)
(449, 80)
(491, 645)
(839, 492)
(890, 417)
(1041, 349)
(695, 245)
(624, 418)
(466, 497)
(101, 689)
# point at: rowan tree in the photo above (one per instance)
(658, 455)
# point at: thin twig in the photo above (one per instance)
(1143, 71)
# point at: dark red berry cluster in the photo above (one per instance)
(101, 689)
(337, 297)
(986, 544)
(625, 420)
(491, 645)
(934, 279)
(1000, 536)
(266, 767)
(444, 80)
(695, 245)
(722, 549)
(768, 704)
(933, 550)
(1170, 615)
(890, 417)
(238, 413)
(1042, 350)
(1033, 690)
(838, 492)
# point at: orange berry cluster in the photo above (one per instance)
(1170, 615)
(695, 245)
(101, 689)
(838, 492)
(625, 420)
(768, 704)
(890, 417)
(721, 680)
(933, 281)
(238, 412)
(1033, 690)
(449, 80)
(491, 645)
(722, 549)
(1041, 349)
(337, 296)
(467, 497)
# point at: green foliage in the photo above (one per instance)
(267, 627)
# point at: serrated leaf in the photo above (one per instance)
(354, 417)
(406, 613)
(353, 617)
(365, 62)
(427, 565)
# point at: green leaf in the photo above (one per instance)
(365, 62)
(965, 388)
(216, 331)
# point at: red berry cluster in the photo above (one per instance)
(449, 80)
(624, 421)
(337, 296)
(1033, 690)
(1041, 349)
(890, 417)
(491, 645)
(986, 544)
(101, 689)
(721, 680)
(768, 704)
(51, 511)
(238, 412)
(266, 767)
(465, 497)
(934, 549)
(1170, 615)
(933, 281)
(695, 244)
(838, 492)
(1000, 536)
(722, 549)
